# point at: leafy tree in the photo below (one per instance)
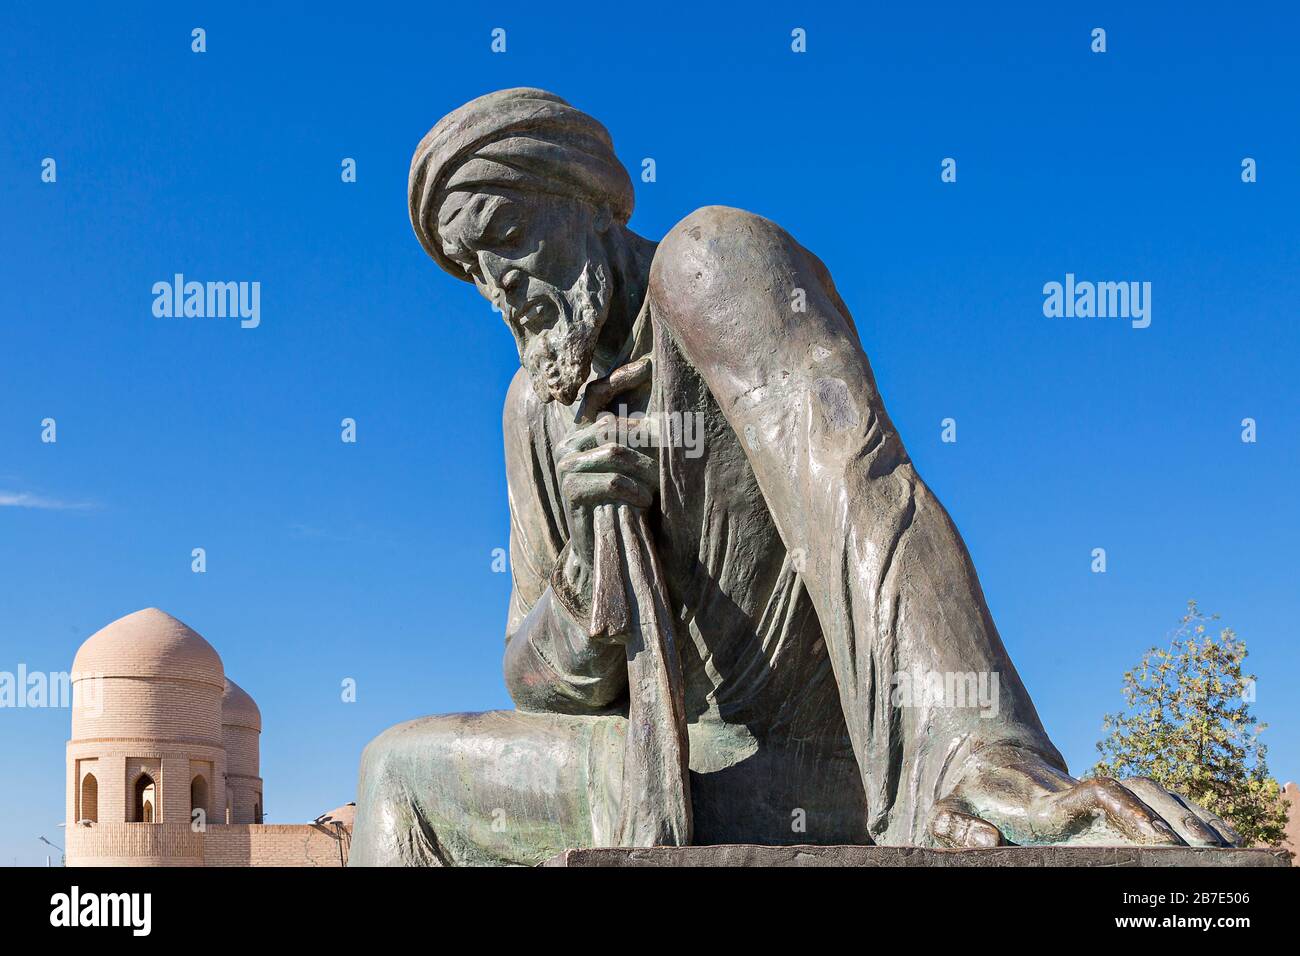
(1188, 727)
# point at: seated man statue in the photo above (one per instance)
(802, 568)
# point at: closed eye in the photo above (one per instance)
(508, 238)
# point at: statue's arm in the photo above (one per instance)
(550, 663)
(890, 577)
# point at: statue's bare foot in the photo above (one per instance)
(1012, 795)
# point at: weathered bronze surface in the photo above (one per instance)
(725, 616)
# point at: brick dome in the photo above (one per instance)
(162, 741)
(150, 643)
(238, 709)
(241, 728)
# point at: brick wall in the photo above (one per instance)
(134, 844)
(1292, 841)
(173, 844)
(273, 844)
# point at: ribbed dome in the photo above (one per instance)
(149, 643)
(238, 709)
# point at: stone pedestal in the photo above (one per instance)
(877, 856)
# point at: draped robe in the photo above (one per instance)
(809, 567)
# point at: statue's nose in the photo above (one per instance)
(501, 276)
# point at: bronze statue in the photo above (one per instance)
(720, 614)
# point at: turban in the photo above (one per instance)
(519, 139)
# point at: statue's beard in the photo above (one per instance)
(559, 359)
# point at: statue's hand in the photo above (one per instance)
(1015, 796)
(595, 470)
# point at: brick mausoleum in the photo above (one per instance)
(163, 764)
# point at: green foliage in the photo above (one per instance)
(1188, 727)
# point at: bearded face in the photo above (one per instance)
(543, 265)
(558, 357)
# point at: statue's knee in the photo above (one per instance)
(373, 761)
(412, 751)
(384, 756)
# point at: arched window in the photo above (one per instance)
(145, 808)
(89, 798)
(198, 795)
(257, 809)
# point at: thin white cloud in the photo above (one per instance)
(21, 499)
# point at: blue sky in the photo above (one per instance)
(373, 560)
